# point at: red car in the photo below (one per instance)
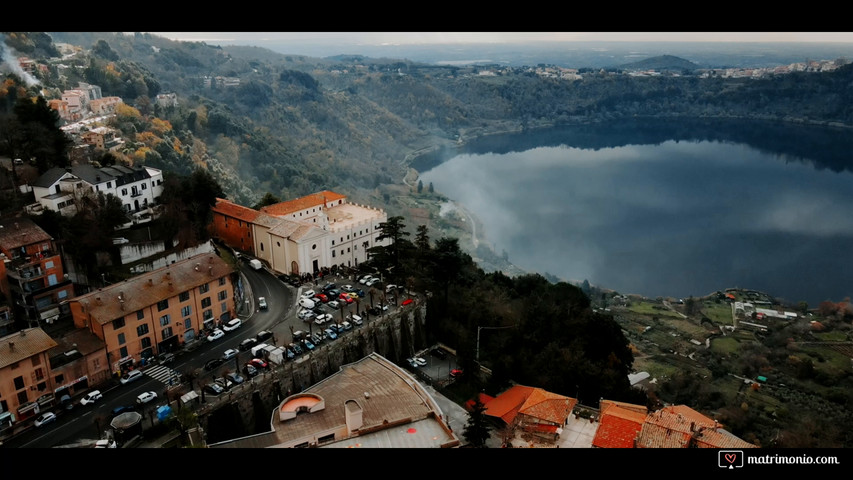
(456, 372)
(322, 297)
(345, 297)
(258, 363)
(407, 301)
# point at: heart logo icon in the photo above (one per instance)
(731, 457)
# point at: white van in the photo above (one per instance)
(256, 264)
(259, 350)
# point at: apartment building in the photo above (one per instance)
(32, 276)
(158, 311)
(24, 374)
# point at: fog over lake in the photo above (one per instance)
(670, 218)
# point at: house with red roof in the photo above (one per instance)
(619, 424)
(680, 426)
(531, 409)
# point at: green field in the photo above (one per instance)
(654, 309)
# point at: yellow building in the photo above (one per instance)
(158, 311)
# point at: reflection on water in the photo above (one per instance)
(673, 218)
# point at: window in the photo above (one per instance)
(110, 185)
(162, 305)
(165, 320)
(222, 281)
(36, 361)
(333, 254)
(186, 311)
(142, 329)
(222, 295)
(39, 374)
(262, 246)
(19, 383)
(207, 314)
(48, 264)
(204, 288)
(144, 186)
(167, 332)
(314, 247)
(22, 397)
(124, 191)
(140, 314)
(184, 296)
(146, 342)
(224, 307)
(121, 340)
(118, 323)
(333, 243)
(122, 352)
(188, 324)
(205, 302)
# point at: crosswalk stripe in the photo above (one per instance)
(163, 374)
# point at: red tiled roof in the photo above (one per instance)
(618, 427)
(680, 426)
(533, 402)
(233, 210)
(302, 203)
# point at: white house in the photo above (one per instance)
(137, 187)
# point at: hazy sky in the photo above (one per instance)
(400, 38)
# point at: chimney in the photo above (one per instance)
(196, 266)
(150, 282)
(210, 271)
(12, 346)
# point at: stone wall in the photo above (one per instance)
(395, 336)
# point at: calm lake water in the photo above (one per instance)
(666, 209)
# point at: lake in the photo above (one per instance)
(666, 208)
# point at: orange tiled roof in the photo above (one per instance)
(618, 427)
(233, 210)
(24, 344)
(302, 203)
(680, 426)
(18, 232)
(533, 402)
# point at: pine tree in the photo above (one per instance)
(477, 429)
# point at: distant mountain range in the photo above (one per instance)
(662, 63)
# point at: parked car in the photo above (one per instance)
(346, 325)
(374, 311)
(344, 297)
(235, 378)
(372, 282)
(331, 334)
(263, 335)
(145, 397)
(456, 372)
(420, 361)
(165, 358)
(329, 286)
(333, 293)
(259, 363)
(229, 354)
(308, 293)
(262, 303)
(412, 363)
(306, 315)
(232, 325)
(250, 370)
(347, 288)
(214, 388)
(360, 293)
(306, 303)
(213, 363)
(363, 280)
(296, 348)
(123, 408)
(324, 318)
(289, 353)
(45, 418)
(247, 344)
(91, 397)
(407, 301)
(309, 345)
(334, 304)
(390, 288)
(316, 339)
(131, 376)
(224, 383)
(355, 319)
(215, 335)
(321, 297)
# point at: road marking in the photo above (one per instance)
(163, 374)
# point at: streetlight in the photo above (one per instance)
(477, 355)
